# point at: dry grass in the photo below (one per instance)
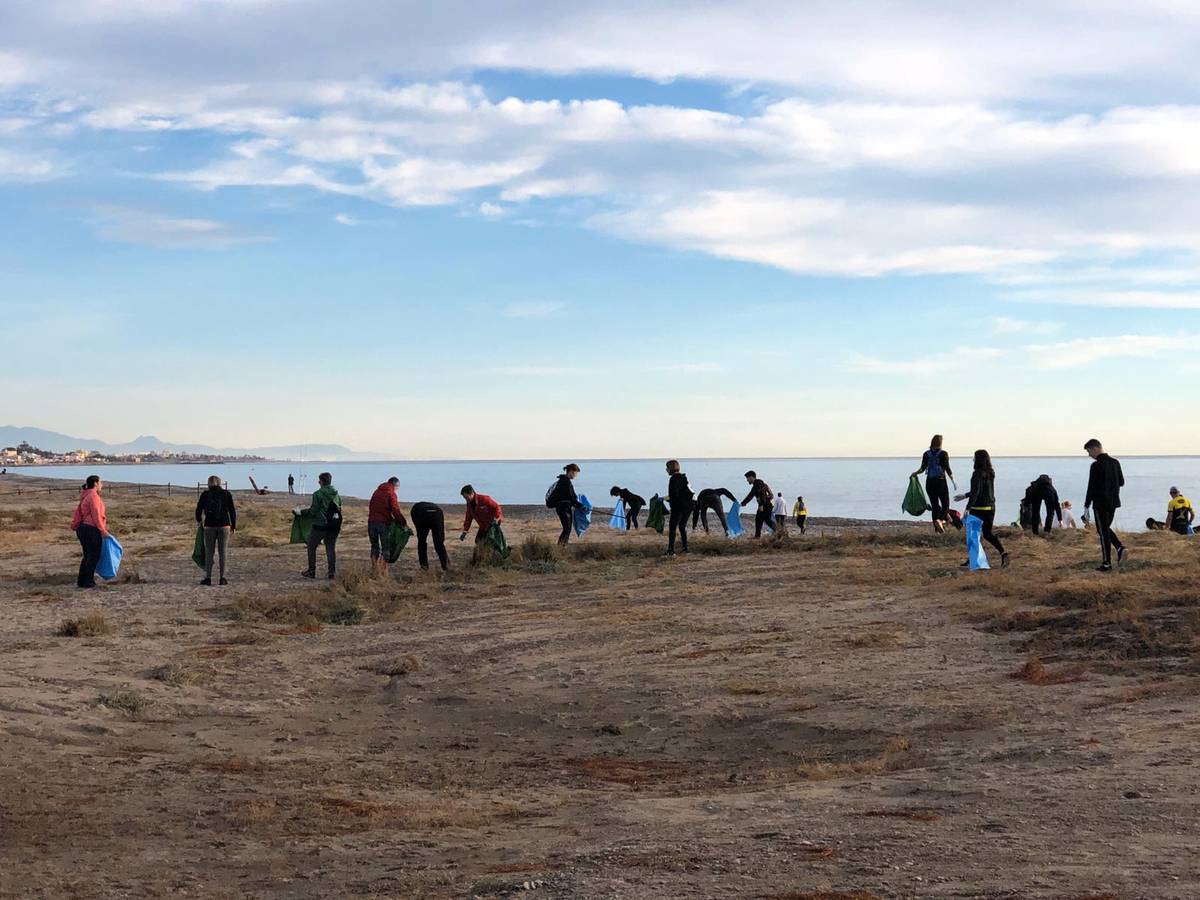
(896, 754)
(129, 702)
(173, 674)
(1035, 672)
(90, 625)
(877, 638)
(915, 814)
(620, 770)
(822, 895)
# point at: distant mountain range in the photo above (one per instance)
(11, 435)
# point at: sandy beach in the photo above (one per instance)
(839, 715)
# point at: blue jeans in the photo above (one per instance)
(378, 533)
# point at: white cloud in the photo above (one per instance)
(533, 309)
(1007, 325)
(491, 210)
(349, 221)
(1131, 299)
(149, 229)
(1086, 351)
(544, 371)
(922, 365)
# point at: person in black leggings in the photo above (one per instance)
(981, 501)
(561, 498)
(710, 499)
(633, 504)
(427, 519)
(679, 495)
(935, 463)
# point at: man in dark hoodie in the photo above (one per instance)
(680, 496)
(633, 504)
(708, 500)
(762, 493)
(562, 499)
(215, 512)
(1041, 490)
(1105, 481)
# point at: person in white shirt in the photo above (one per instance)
(1068, 517)
(780, 513)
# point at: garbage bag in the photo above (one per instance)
(583, 515)
(733, 519)
(398, 536)
(198, 547)
(494, 538)
(656, 516)
(302, 524)
(618, 519)
(110, 558)
(915, 502)
(975, 555)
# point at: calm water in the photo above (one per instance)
(863, 488)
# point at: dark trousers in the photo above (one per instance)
(1035, 517)
(428, 519)
(939, 497)
(566, 515)
(631, 514)
(701, 513)
(764, 516)
(988, 516)
(315, 538)
(679, 522)
(801, 521)
(1108, 538)
(91, 541)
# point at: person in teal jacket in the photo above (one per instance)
(326, 516)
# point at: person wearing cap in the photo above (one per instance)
(1180, 514)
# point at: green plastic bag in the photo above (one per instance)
(301, 526)
(915, 503)
(656, 517)
(398, 537)
(198, 549)
(495, 539)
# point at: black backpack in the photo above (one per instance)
(552, 495)
(333, 517)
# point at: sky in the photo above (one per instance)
(612, 229)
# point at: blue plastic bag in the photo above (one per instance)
(110, 558)
(975, 555)
(583, 515)
(618, 520)
(733, 519)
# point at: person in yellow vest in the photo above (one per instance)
(800, 511)
(1180, 514)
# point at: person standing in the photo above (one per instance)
(935, 463)
(1105, 480)
(428, 519)
(633, 504)
(800, 511)
(981, 501)
(562, 499)
(709, 500)
(90, 524)
(760, 492)
(326, 514)
(291, 484)
(1041, 490)
(482, 510)
(680, 496)
(779, 511)
(382, 511)
(217, 515)
(1180, 514)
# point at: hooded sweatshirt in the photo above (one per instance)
(484, 510)
(320, 503)
(385, 506)
(90, 511)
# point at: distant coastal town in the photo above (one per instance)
(25, 454)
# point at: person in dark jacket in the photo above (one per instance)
(429, 519)
(760, 492)
(1105, 480)
(935, 463)
(680, 497)
(218, 516)
(633, 504)
(981, 501)
(708, 500)
(562, 499)
(1041, 490)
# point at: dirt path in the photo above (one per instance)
(824, 717)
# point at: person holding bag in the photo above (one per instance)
(90, 524)
(981, 502)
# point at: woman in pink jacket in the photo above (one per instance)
(91, 527)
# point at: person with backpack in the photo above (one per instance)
(760, 492)
(800, 511)
(1041, 490)
(428, 519)
(326, 515)
(1180, 514)
(1105, 480)
(779, 512)
(90, 524)
(561, 498)
(935, 463)
(709, 500)
(981, 502)
(633, 504)
(382, 511)
(680, 498)
(482, 510)
(216, 514)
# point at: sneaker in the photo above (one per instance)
(1104, 567)
(308, 574)
(965, 564)
(207, 582)
(1004, 560)
(224, 582)
(1121, 554)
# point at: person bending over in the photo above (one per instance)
(761, 493)
(1105, 480)
(633, 504)
(482, 510)
(709, 500)
(383, 510)
(562, 499)
(1041, 490)
(428, 519)
(679, 495)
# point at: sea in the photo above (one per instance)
(864, 488)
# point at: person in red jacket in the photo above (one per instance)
(383, 510)
(482, 509)
(90, 524)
